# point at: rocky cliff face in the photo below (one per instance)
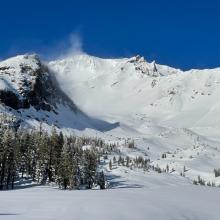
(25, 81)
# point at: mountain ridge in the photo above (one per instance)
(164, 110)
(29, 90)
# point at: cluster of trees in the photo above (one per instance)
(202, 182)
(69, 161)
(129, 143)
(138, 162)
(217, 172)
(199, 181)
(50, 157)
(164, 156)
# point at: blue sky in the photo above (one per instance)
(184, 34)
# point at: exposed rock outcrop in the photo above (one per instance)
(28, 82)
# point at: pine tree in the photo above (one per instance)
(114, 160)
(54, 152)
(110, 165)
(10, 164)
(167, 168)
(127, 161)
(64, 169)
(90, 167)
(3, 158)
(101, 180)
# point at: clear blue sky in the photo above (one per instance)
(184, 34)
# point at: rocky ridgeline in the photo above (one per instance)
(28, 82)
(144, 67)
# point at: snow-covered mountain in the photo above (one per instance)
(173, 116)
(30, 92)
(165, 110)
(138, 89)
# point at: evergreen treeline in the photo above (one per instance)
(50, 158)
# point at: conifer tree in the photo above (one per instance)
(110, 165)
(90, 167)
(101, 180)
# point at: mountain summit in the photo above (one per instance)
(30, 92)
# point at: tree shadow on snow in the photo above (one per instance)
(5, 214)
(116, 183)
(24, 184)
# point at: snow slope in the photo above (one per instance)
(163, 109)
(122, 87)
(160, 201)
